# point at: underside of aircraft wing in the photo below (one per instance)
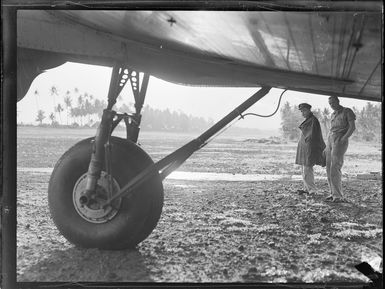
(332, 53)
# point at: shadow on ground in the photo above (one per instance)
(76, 264)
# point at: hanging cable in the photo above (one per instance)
(269, 115)
(241, 117)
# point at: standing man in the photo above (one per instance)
(310, 148)
(341, 128)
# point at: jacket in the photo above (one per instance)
(311, 144)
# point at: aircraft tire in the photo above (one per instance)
(136, 216)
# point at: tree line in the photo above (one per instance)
(368, 121)
(75, 109)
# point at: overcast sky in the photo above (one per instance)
(207, 102)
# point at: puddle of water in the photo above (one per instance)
(202, 176)
(184, 186)
(35, 170)
(207, 176)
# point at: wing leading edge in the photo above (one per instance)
(332, 53)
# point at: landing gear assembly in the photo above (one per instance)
(105, 192)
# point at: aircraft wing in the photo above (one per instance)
(324, 52)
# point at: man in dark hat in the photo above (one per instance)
(310, 148)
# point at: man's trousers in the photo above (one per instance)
(335, 151)
(308, 179)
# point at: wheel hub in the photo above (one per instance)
(90, 206)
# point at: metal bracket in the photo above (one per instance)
(139, 91)
(119, 78)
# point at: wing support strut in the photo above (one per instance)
(172, 161)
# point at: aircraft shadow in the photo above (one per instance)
(87, 265)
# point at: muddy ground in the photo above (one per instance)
(212, 231)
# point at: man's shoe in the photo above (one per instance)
(338, 200)
(313, 193)
(329, 198)
(301, 192)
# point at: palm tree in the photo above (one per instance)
(53, 91)
(75, 113)
(52, 118)
(59, 109)
(68, 103)
(80, 110)
(40, 116)
(36, 93)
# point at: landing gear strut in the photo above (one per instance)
(95, 169)
(106, 192)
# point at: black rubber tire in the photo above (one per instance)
(137, 216)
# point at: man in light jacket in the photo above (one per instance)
(342, 126)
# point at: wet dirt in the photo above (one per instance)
(212, 230)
